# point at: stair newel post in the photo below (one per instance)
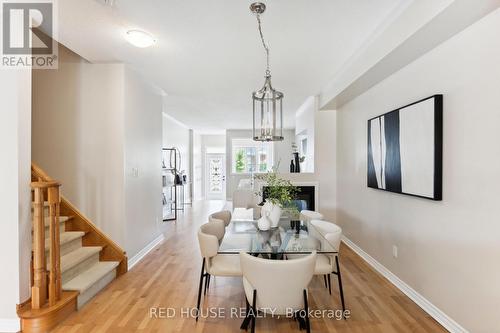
(39, 287)
(54, 200)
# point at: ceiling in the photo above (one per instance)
(208, 58)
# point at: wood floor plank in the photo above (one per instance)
(168, 278)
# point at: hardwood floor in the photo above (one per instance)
(168, 278)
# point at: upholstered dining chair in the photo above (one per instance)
(268, 284)
(309, 215)
(247, 199)
(224, 216)
(214, 264)
(243, 199)
(328, 264)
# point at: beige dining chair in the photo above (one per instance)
(328, 264)
(309, 215)
(224, 216)
(280, 285)
(244, 199)
(213, 263)
(247, 199)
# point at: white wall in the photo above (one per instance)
(78, 136)
(93, 123)
(15, 194)
(305, 128)
(325, 160)
(178, 135)
(283, 151)
(448, 250)
(143, 143)
(197, 167)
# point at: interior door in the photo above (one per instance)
(215, 184)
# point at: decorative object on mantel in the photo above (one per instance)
(297, 159)
(280, 194)
(267, 102)
(292, 167)
(405, 149)
(297, 162)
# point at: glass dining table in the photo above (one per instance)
(289, 237)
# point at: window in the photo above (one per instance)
(249, 156)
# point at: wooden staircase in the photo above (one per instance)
(72, 260)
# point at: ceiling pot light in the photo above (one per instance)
(267, 102)
(140, 38)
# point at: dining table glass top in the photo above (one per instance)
(289, 237)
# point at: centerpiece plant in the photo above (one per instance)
(280, 194)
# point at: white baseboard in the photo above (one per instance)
(431, 309)
(142, 253)
(10, 325)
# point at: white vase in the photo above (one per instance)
(264, 223)
(273, 212)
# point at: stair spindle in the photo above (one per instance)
(54, 250)
(38, 290)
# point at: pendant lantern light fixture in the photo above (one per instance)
(267, 102)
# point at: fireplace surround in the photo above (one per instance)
(306, 198)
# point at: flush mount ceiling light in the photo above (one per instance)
(140, 38)
(267, 102)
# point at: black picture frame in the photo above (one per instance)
(391, 159)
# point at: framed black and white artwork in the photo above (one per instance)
(405, 149)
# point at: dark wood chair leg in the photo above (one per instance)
(340, 286)
(306, 308)
(254, 313)
(329, 284)
(207, 283)
(246, 321)
(300, 319)
(202, 274)
(324, 278)
(205, 286)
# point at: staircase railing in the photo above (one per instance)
(94, 237)
(46, 287)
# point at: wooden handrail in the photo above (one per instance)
(94, 237)
(45, 185)
(79, 222)
(39, 173)
(49, 304)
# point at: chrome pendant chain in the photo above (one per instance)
(266, 48)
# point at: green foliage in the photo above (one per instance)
(240, 161)
(279, 191)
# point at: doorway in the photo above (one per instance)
(215, 183)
